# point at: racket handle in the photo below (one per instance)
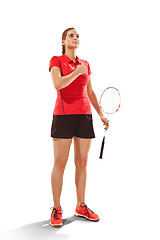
(102, 147)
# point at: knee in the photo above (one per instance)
(81, 163)
(59, 166)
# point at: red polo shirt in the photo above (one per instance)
(72, 99)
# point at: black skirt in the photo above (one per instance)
(67, 126)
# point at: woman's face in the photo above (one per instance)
(72, 39)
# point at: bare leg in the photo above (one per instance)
(81, 149)
(61, 153)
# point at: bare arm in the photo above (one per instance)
(63, 81)
(93, 100)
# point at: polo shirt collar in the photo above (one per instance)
(70, 60)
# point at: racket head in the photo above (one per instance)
(110, 100)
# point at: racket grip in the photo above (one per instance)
(102, 147)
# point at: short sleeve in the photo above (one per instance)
(89, 70)
(55, 61)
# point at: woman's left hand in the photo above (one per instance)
(105, 122)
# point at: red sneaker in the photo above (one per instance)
(84, 211)
(56, 217)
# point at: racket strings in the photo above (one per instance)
(110, 100)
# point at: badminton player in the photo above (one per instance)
(72, 119)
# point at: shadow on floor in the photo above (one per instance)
(39, 230)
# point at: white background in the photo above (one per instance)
(120, 40)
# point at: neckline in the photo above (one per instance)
(72, 59)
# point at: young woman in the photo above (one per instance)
(72, 118)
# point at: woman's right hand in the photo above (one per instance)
(81, 69)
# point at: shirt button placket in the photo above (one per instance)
(74, 64)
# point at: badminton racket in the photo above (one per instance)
(109, 103)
